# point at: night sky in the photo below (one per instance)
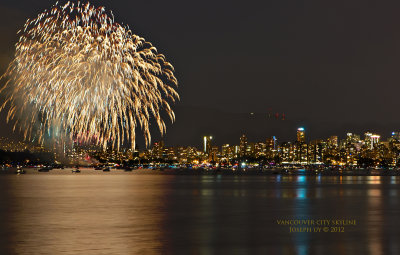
(330, 66)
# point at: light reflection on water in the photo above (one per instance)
(83, 214)
(166, 214)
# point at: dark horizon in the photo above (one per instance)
(330, 66)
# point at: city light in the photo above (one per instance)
(352, 151)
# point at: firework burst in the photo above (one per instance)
(78, 74)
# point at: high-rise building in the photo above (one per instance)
(213, 154)
(207, 143)
(316, 150)
(260, 149)
(236, 150)
(243, 146)
(228, 151)
(332, 141)
(271, 146)
(287, 152)
(367, 140)
(395, 136)
(270, 143)
(225, 149)
(157, 151)
(352, 138)
(375, 140)
(250, 149)
(301, 135)
(371, 140)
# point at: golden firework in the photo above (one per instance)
(79, 74)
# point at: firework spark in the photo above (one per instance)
(79, 74)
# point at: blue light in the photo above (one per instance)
(301, 179)
(300, 129)
(301, 193)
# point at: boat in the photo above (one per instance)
(44, 169)
(20, 171)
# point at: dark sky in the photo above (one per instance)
(331, 66)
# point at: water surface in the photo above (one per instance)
(125, 213)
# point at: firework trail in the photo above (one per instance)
(77, 74)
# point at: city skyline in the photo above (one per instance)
(302, 69)
(365, 150)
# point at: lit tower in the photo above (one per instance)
(374, 140)
(275, 142)
(301, 135)
(207, 143)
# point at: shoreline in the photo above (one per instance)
(228, 172)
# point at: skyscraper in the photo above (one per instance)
(270, 143)
(207, 143)
(333, 141)
(301, 135)
(243, 146)
(352, 138)
(375, 140)
(395, 136)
